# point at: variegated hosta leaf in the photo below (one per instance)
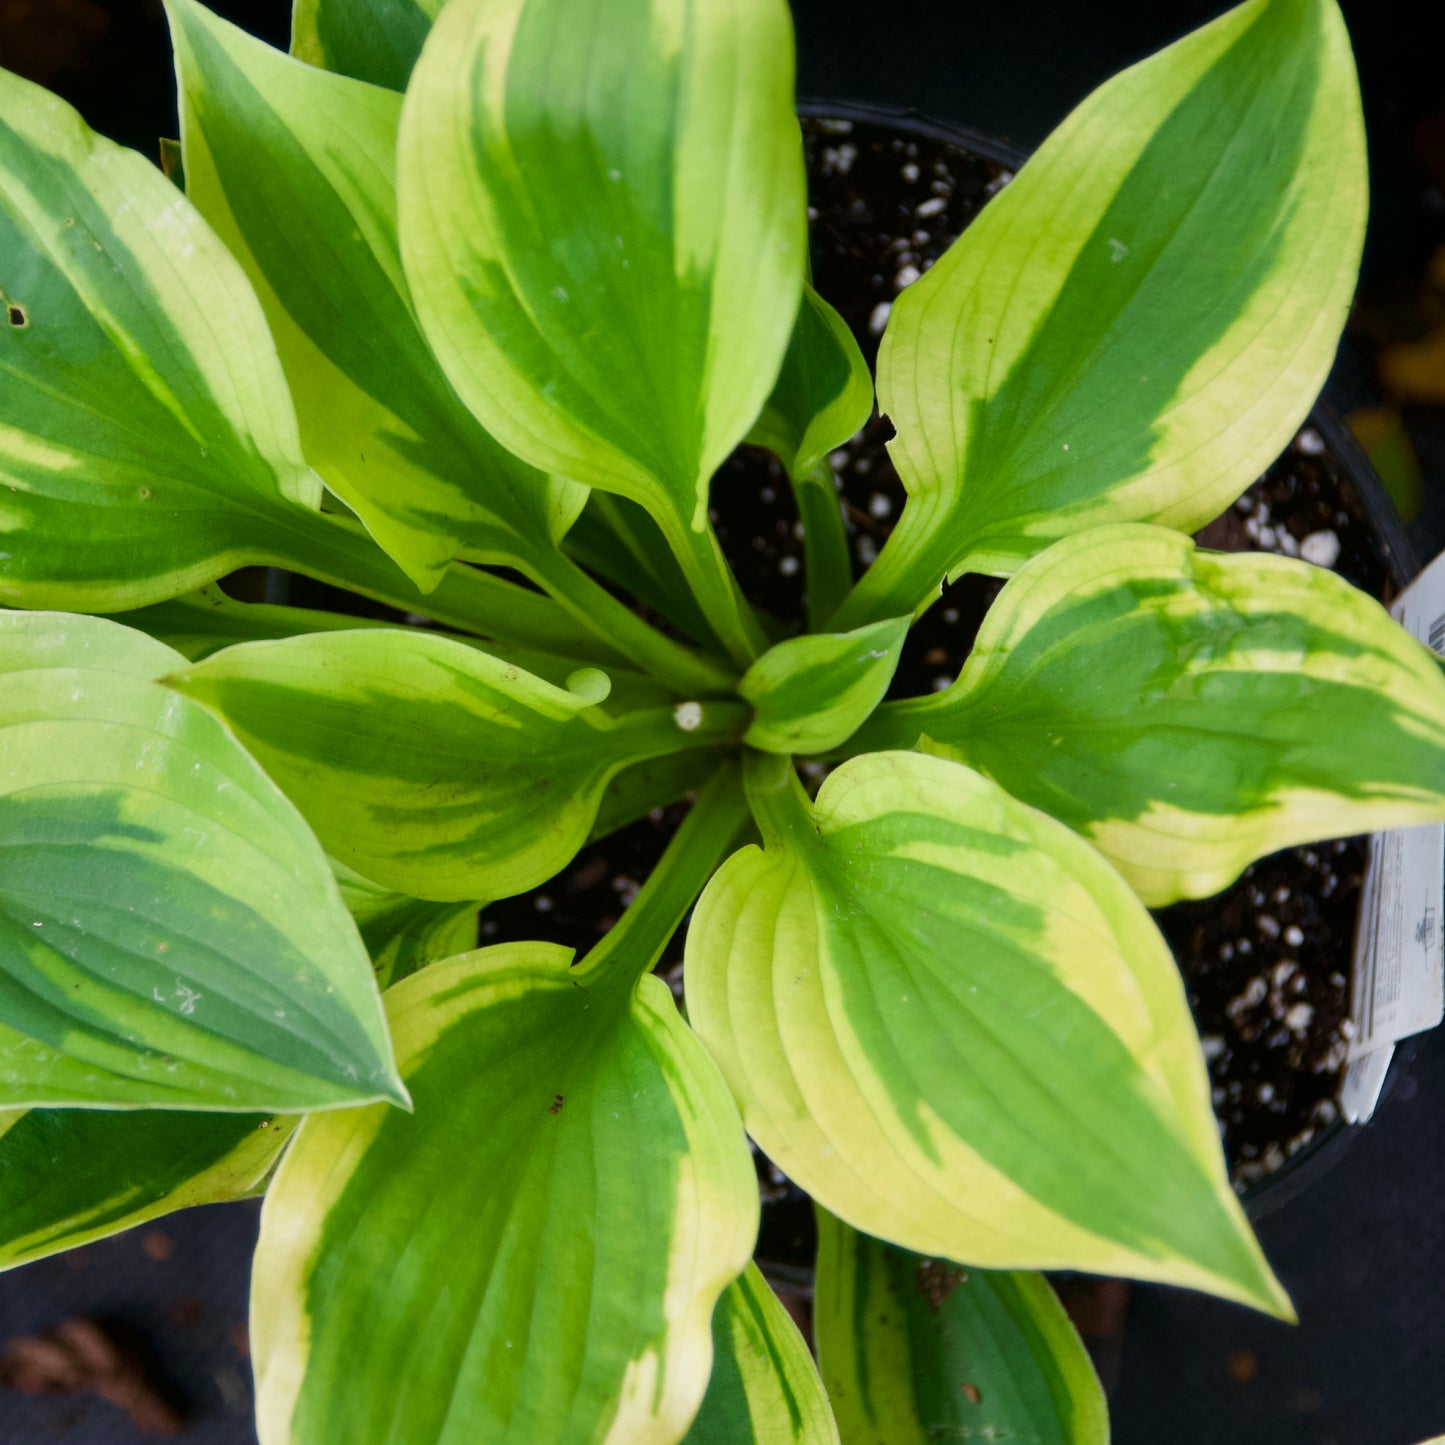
(403, 935)
(605, 235)
(952, 1023)
(147, 439)
(373, 40)
(68, 1176)
(1134, 328)
(823, 394)
(764, 1387)
(203, 622)
(531, 1257)
(265, 137)
(432, 768)
(811, 693)
(170, 935)
(1189, 712)
(917, 1350)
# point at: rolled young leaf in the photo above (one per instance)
(170, 934)
(916, 1350)
(68, 1176)
(373, 40)
(147, 439)
(557, 1219)
(823, 395)
(811, 693)
(915, 949)
(764, 1386)
(267, 137)
(603, 224)
(1189, 712)
(1134, 328)
(432, 768)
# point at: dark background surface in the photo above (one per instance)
(1363, 1250)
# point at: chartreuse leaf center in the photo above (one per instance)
(532, 1079)
(917, 947)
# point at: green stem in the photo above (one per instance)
(707, 835)
(618, 540)
(907, 577)
(717, 590)
(687, 672)
(893, 725)
(825, 542)
(339, 551)
(780, 806)
(657, 732)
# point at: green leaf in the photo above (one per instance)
(403, 935)
(1135, 327)
(560, 1214)
(603, 223)
(811, 693)
(950, 1021)
(68, 1176)
(1190, 712)
(764, 1387)
(432, 768)
(147, 439)
(266, 137)
(373, 40)
(917, 1350)
(170, 935)
(823, 394)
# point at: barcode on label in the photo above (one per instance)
(1436, 636)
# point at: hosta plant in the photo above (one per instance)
(461, 309)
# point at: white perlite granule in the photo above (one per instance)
(1321, 548)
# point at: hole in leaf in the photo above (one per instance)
(17, 315)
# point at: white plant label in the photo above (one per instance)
(1399, 974)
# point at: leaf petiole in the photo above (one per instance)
(686, 671)
(825, 542)
(708, 834)
(339, 551)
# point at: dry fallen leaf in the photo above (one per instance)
(85, 1356)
